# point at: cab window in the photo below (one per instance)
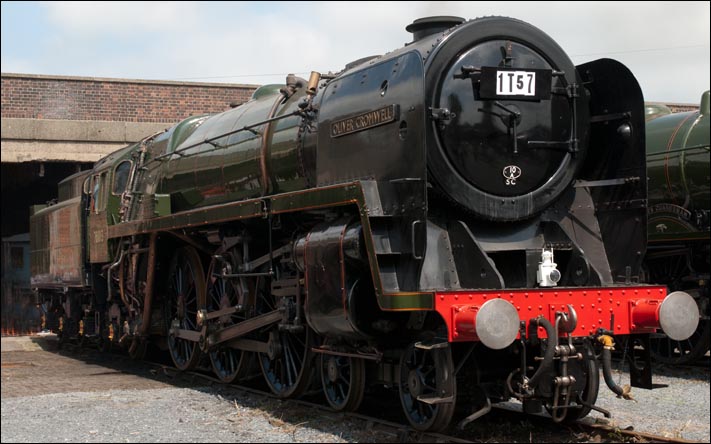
(121, 177)
(89, 192)
(87, 186)
(98, 193)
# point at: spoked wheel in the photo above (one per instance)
(185, 296)
(287, 365)
(668, 351)
(343, 381)
(425, 375)
(228, 363)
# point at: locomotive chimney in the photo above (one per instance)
(425, 26)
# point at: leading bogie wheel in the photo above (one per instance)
(343, 381)
(185, 296)
(427, 387)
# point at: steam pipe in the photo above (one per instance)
(110, 295)
(150, 284)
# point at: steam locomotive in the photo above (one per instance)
(678, 226)
(462, 219)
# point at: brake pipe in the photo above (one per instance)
(540, 321)
(608, 345)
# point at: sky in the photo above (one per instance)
(665, 44)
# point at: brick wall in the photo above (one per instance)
(83, 98)
(682, 107)
(677, 107)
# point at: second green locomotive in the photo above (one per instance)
(679, 251)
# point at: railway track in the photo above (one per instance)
(404, 433)
(631, 434)
(615, 434)
(510, 423)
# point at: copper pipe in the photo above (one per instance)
(150, 279)
(313, 83)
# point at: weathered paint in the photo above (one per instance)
(348, 194)
(56, 257)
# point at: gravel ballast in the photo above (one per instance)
(164, 415)
(677, 408)
(84, 396)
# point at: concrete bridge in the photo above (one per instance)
(54, 126)
(50, 140)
